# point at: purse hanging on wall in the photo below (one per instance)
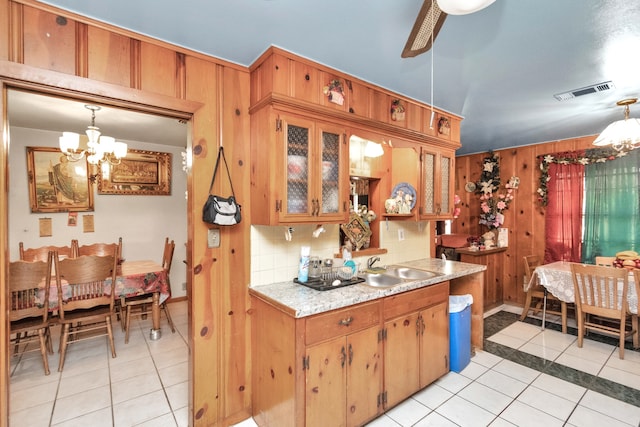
(220, 210)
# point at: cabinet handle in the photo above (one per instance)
(350, 354)
(317, 207)
(345, 322)
(344, 356)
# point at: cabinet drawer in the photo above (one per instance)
(411, 301)
(341, 322)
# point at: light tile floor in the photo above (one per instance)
(96, 390)
(145, 385)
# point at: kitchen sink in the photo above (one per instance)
(410, 273)
(381, 280)
(395, 275)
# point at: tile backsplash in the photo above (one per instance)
(275, 259)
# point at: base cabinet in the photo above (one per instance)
(416, 350)
(346, 367)
(343, 380)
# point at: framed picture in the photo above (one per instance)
(139, 173)
(57, 184)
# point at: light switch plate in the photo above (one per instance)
(400, 234)
(213, 238)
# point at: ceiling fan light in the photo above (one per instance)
(463, 7)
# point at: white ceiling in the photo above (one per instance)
(30, 110)
(498, 68)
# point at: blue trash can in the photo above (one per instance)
(459, 331)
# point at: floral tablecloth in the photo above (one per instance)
(134, 278)
(557, 278)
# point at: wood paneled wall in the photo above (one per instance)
(49, 50)
(525, 216)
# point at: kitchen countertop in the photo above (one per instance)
(301, 301)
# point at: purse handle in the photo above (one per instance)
(215, 171)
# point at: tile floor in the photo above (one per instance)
(145, 385)
(525, 377)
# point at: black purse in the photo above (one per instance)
(220, 210)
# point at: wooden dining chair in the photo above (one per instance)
(137, 306)
(101, 249)
(29, 283)
(42, 253)
(85, 299)
(601, 301)
(538, 295)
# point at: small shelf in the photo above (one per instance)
(364, 252)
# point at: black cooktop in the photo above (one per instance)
(325, 284)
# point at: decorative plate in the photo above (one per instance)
(402, 190)
(470, 187)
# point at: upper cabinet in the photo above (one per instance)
(302, 114)
(436, 186)
(303, 177)
(314, 188)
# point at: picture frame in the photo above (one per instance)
(139, 173)
(57, 184)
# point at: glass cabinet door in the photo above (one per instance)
(429, 183)
(437, 184)
(298, 162)
(445, 186)
(331, 144)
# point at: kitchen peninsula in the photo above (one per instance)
(344, 356)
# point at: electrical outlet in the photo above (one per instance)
(184, 286)
(213, 238)
(400, 234)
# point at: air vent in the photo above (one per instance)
(598, 87)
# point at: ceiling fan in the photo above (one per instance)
(430, 19)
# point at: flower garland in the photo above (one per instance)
(594, 155)
(493, 205)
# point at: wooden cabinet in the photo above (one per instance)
(343, 380)
(416, 350)
(303, 178)
(494, 260)
(437, 184)
(345, 367)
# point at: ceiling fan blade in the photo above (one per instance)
(429, 21)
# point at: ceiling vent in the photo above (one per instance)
(598, 87)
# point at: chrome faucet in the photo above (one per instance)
(372, 260)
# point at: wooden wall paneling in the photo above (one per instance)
(7, 27)
(509, 168)
(413, 116)
(305, 83)
(49, 41)
(358, 98)
(207, 264)
(280, 74)
(114, 66)
(4, 259)
(380, 106)
(236, 250)
(158, 69)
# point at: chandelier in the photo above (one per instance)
(99, 149)
(622, 135)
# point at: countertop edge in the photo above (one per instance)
(300, 301)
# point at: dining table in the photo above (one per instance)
(133, 278)
(557, 278)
